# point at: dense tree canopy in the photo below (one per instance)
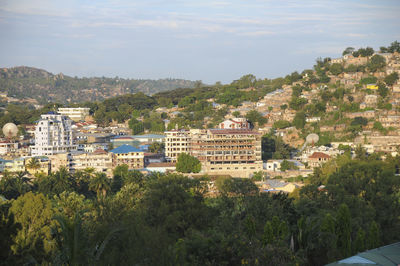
(148, 219)
(187, 164)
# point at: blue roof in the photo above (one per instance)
(125, 149)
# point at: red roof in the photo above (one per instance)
(100, 151)
(234, 131)
(317, 155)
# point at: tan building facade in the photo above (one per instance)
(128, 155)
(235, 152)
(176, 142)
(99, 160)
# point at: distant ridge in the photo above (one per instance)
(25, 82)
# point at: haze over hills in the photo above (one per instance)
(28, 82)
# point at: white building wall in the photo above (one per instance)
(75, 114)
(53, 135)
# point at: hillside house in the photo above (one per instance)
(366, 114)
(390, 121)
(357, 61)
(371, 100)
(318, 158)
(275, 165)
(235, 123)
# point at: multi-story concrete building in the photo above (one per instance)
(60, 160)
(235, 152)
(76, 114)
(15, 165)
(128, 155)
(100, 160)
(8, 147)
(176, 142)
(53, 135)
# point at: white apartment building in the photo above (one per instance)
(76, 114)
(7, 147)
(176, 142)
(53, 135)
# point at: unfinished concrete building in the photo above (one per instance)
(235, 152)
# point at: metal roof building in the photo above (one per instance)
(383, 256)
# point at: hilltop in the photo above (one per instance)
(42, 86)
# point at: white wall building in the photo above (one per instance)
(53, 135)
(176, 142)
(235, 123)
(7, 147)
(76, 114)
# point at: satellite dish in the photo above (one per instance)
(312, 138)
(10, 130)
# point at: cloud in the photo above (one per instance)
(36, 8)
(257, 33)
(74, 36)
(357, 35)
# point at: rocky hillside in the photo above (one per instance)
(28, 82)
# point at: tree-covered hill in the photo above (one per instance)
(28, 82)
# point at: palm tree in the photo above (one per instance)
(100, 184)
(82, 179)
(14, 184)
(22, 182)
(72, 239)
(34, 164)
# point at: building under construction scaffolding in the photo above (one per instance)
(235, 152)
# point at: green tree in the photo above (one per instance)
(136, 126)
(56, 183)
(156, 147)
(376, 63)
(34, 213)
(391, 79)
(13, 185)
(274, 148)
(236, 114)
(382, 90)
(281, 124)
(33, 164)
(336, 69)
(299, 120)
(254, 116)
(71, 242)
(187, 164)
(236, 186)
(348, 50)
(288, 165)
(373, 238)
(297, 103)
(8, 231)
(359, 243)
(343, 230)
(362, 121)
(100, 184)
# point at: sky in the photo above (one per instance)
(208, 40)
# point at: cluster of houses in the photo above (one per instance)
(61, 139)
